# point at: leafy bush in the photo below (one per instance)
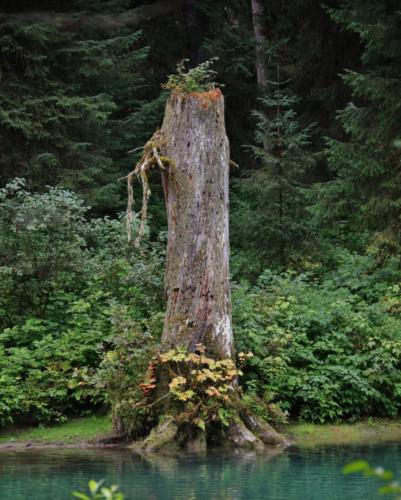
(325, 349)
(42, 249)
(130, 349)
(44, 362)
(198, 386)
(69, 281)
(80, 316)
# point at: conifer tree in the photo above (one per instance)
(70, 107)
(365, 194)
(271, 222)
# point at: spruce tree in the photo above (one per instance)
(71, 106)
(270, 223)
(365, 195)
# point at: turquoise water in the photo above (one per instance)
(295, 474)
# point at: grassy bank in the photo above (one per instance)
(81, 430)
(74, 431)
(367, 431)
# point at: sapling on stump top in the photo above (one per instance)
(191, 389)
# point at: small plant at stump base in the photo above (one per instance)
(203, 400)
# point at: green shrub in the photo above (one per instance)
(81, 313)
(42, 249)
(130, 348)
(325, 349)
(44, 362)
(69, 281)
(390, 486)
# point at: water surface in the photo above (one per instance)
(295, 474)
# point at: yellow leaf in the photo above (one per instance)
(200, 423)
(177, 381)
(193, 358)
(186, 395)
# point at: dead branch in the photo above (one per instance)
(150, 158)
(72, 21)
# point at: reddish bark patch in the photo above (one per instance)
(206, 98)
(210, 95)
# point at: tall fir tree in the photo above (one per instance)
(364, 198)
(72, 105)
(270, 219)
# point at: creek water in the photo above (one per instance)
(293, 474)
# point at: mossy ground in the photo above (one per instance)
(367, 431)
(74, 431)
(82, 430)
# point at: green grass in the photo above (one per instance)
(371, 431)
(73, 431)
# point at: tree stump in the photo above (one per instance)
(193, 139)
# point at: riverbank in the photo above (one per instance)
(80, 432)
(87, 432)
(364, 432)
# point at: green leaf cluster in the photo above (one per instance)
(197, 79)
(391, 487)
(99, 492)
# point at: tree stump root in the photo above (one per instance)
(249, 433)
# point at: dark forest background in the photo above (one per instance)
(313, 114)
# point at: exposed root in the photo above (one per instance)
(161, 437)
(241, 437)
(169, 436)
(249, 431)
(197, 442)
(151, 158)
(263, 430)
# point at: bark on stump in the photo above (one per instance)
(197, 273)
(197, 268)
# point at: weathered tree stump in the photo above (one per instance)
(193, 139)
(197, 272)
